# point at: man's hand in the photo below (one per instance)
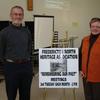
(82, 74)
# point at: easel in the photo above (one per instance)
(44, 94)
(56, 44)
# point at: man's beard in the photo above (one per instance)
(17, 23)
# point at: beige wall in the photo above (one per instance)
(74, 18)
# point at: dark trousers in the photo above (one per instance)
(92, 90)
(18, 76)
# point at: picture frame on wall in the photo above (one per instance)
(30, 5)
(43, 28)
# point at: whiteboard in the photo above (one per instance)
(43, 31)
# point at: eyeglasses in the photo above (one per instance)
(17, 14)
(95, 26)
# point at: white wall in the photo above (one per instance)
(74, 18)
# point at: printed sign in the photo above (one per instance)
(58, 68)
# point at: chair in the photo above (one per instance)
(55, 42)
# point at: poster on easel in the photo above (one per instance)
(58, 68)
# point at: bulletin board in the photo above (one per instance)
(43, 31)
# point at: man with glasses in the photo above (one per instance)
(90, 61)
(15, 53)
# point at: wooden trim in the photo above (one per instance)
(30, 5)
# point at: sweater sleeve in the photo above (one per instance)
(2, 45)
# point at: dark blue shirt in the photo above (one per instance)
(15, 43)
